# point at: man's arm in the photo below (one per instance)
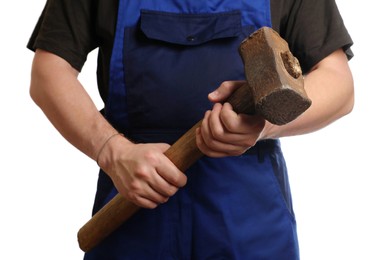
(57, 91)
(141, 173)
(329, 85)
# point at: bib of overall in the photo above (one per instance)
(167, 57)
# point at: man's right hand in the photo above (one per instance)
(141, 172)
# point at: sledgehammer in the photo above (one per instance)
(274, 89)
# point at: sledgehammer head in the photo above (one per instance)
(274, 77)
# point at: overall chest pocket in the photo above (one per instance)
(171, 62)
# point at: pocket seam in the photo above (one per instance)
(190, 29)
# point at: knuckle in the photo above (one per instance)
(159, 199)
(230, 126)
(171, 191)
(178, 181)
(131, 197)
(164, 199)
(134, 188)
(218, 133)
(146, 204)
(151, 156)
(228, 85)
(183, 180)
(141, 172)
(225, 84)
(212, 144)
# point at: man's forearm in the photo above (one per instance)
(330, 87)
(57, 91)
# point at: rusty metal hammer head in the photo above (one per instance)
(274, 77)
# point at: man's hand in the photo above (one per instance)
(141, 172)
(224, 132)
(329, 85)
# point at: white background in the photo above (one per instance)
(339, 175)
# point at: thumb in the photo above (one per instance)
(224, 91)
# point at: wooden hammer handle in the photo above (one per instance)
(183, 153)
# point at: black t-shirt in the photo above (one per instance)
(73, 28)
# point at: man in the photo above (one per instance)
(158, 60)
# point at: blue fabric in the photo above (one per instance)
(253, 13)
(190, 29)
(167, 70)
(168, 55)
(231, 208)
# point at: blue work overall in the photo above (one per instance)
(167, 57)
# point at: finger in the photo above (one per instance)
(214, 148)
(144, 196)
(148, 202)
(213, 126)
(224, 91)
(153, 195)
(204, 127)
(200, 142)
(167, 170)
(215, 129)
(240, 123)
(235, 132)
(163, 187)
(145, 203)
(170, 175)
(211, 129)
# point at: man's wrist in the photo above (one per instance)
(106, 144)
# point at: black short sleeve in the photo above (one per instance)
(66, 28)
(73, 28)
(313, 28)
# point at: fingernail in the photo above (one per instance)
(214, 94)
